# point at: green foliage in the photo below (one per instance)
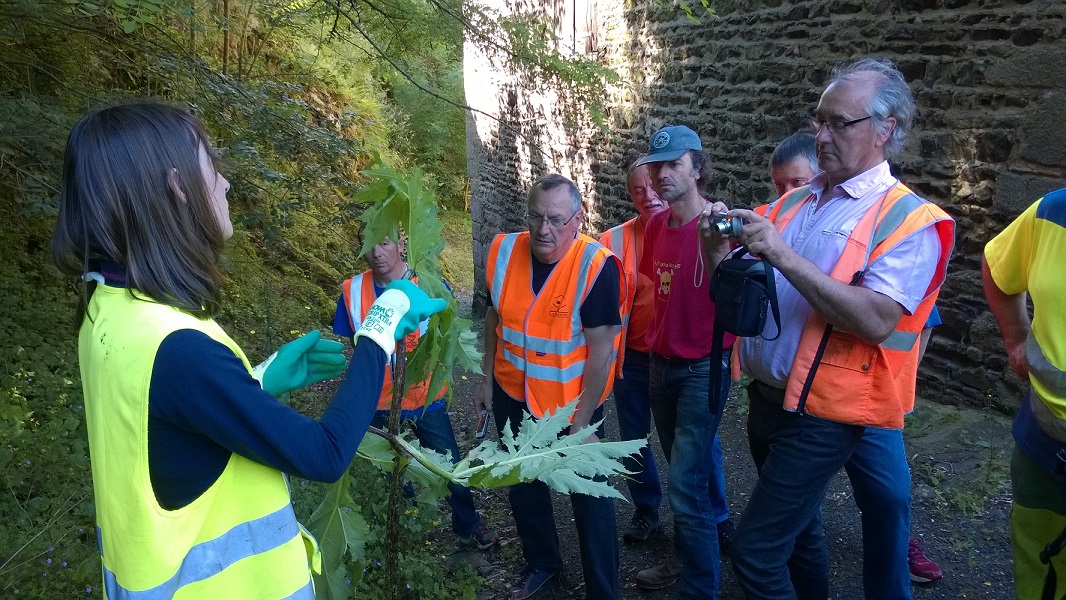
(540, 451)
(456, 259)
(47, 542)
(693, 13)
(339, 528)
(299, 99)
(406, 202)
(349, 524)
(534, 46)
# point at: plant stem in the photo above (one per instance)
(392, 523)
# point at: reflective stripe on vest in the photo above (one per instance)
(210, 558)
(541, 348)
(359, 296)
(1040, 368)
(621, 240)
(879, 379)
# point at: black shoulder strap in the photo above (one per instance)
(1049, 552)
(855, 279)
(771, 292)
(714, 390)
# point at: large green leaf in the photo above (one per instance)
(340, 529)
(540, 451)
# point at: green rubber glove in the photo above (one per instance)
(300, 363)
(397, 312)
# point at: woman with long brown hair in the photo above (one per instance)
(189, 445)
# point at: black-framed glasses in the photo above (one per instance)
(534, 220)
(835, 125)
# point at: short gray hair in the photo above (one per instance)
(891, 98)
(633, 167)
(797, 145)
(552, 181)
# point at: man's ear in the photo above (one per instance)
(886, 134)
(174, 184)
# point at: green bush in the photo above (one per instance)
(427, 540)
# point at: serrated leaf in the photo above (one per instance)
(339, 527)
(564, 462)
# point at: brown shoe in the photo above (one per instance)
(660, 576)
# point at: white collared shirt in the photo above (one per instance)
(820, 235)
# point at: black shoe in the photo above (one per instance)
(640, 527)
(726, 530)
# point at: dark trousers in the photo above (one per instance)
(531, 505)
(780, 551)
(634, 422)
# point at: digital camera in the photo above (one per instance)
(727, 225)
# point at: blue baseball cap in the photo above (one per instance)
(671, 143)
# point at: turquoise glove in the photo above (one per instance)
(397, 312)
(300, 363)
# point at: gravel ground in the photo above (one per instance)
(960, 508)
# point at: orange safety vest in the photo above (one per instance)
(358, 296)
(856, 382)
(541, 350)
(623, 241)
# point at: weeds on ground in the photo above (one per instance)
(978, 469)
(426, 543)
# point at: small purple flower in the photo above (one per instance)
(51, 549)
(44, 574)
(88, 590)
(63, 564)
(26, 463)
(47, 561)
(347, 582)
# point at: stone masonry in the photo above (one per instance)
(989, 77)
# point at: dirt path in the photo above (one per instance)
(961, 501)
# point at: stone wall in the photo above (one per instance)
(990, 137)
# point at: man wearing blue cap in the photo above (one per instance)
(679, 337)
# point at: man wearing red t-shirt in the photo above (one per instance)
(679, 337)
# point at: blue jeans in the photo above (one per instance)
(531, 505)
(434, 431)
(696, 485)
(881, 479)
(808, 566)
(780, 550)
(634, 422)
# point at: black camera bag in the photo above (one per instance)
(742, 290)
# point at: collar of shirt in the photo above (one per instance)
(114, 273)
(878, 177)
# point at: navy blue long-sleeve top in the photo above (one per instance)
(203, 405)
